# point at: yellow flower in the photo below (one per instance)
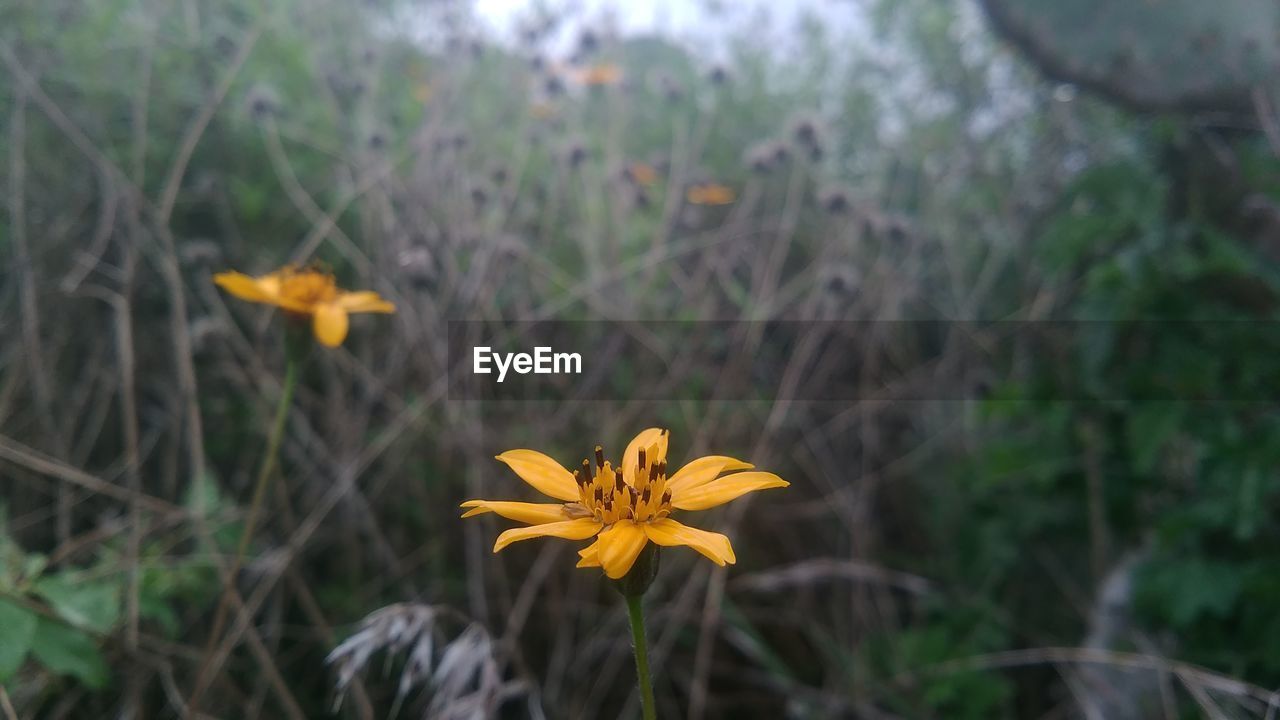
(642, 173)
(604, 74)
(306, 293)
(627, 507)
(542, 110)
(710, 194)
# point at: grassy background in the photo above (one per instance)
(1012, 555)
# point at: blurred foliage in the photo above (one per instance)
(59, 617)
(972, 188)
(1179, 310)
(1174, 56)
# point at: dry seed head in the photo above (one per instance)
(834, 200)
(466, 668)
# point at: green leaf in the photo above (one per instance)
(1251, 515)
(155, 606)
(1150, 427)
(250, 199)
(202, 497)
(1188, 589)
(17, 628)
(94, 605)
(67, 651)
(34, 564)
(205, 499)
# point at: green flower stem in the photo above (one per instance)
(268, 462)
(636, 614)
(255, 508)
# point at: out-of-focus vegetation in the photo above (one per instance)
(1060, 545)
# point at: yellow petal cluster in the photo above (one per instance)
(596, 75)
(710, 194)
(642, 173)
(309, 293)
(624, 507)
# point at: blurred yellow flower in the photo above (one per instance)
(542, 110)
(603, 74)
(627, 507)
(642, 173)
(710, 194)
(307, 293)
(422, 91)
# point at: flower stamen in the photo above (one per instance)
(605, 494)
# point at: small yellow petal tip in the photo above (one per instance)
(773, 482)
(504, 539)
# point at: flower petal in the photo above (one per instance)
(702, 471)
(579, 529)
(589, 556)
(272, 284)
(330, 324)
(725, 489)
(543, 473)
(364, 301)
(620, 545)
(245, 287)
(646, 439)
(669, 533)
(532, 513)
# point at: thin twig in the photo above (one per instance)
(9, 712)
